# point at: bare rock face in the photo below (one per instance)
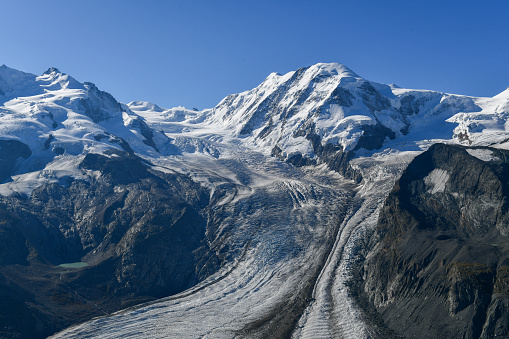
(437, 264)
(99, 105)
(140, 231)
(10, 152)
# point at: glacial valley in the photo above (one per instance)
(316, 205)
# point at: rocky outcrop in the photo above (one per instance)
(373, 137)
(137, 123)
(437, 263)
(333, 155)
(99, 105)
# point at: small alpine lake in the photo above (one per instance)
(79, 264)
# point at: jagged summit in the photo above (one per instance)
(299, 115)
(54, 115)
(52, 70)
(320, 70)
(12, 74)
(12, 81)
(4, 66)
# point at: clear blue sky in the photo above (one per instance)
(195, 52)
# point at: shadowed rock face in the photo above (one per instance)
(333, 155)
(141, 232)
(438, 262)
(99, 105)
(10, 152)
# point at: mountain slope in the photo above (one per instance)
(74, 189)
(437, 263)
(282, 113)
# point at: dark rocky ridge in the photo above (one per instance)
(99, 105)
(334, 155)
(141, 231)
(438, 262)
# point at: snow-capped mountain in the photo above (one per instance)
(248, 217)
(332, 104)
(306, 117)
(61, 120)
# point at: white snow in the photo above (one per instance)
(436, 181)
(56, 171)
(482, 154)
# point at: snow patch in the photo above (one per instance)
(482, 154)
(63, 170)
(436, 181)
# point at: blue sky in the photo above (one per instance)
(193, 53)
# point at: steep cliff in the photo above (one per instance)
(438, 261)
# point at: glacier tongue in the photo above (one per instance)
(278, 225)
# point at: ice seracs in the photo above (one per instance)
(487, 126)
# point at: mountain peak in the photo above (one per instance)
(12, 79)
(51, 70)
(502, 95)
(334, 68)
(144, 106)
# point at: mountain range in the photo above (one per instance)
(318, 204)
